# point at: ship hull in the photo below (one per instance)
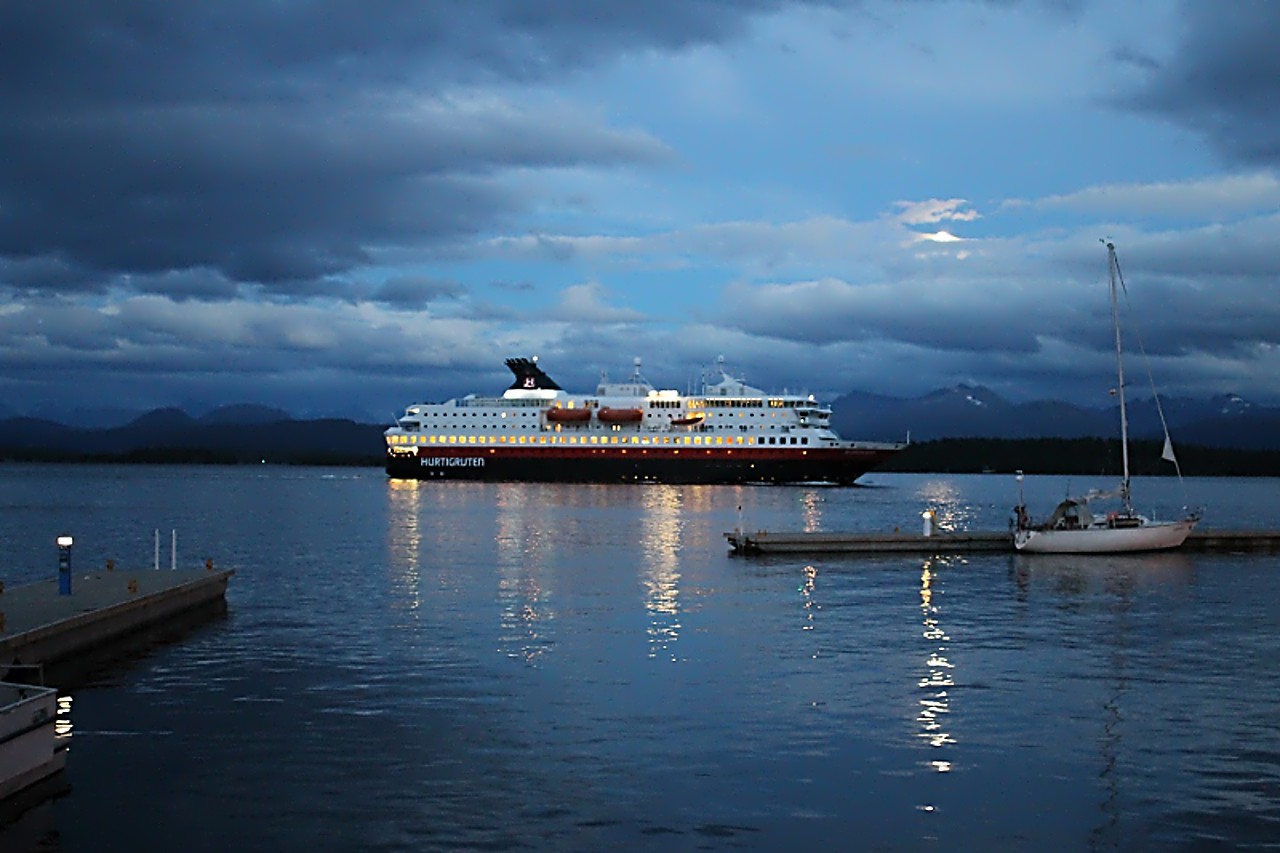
(1156, 536)
(658, 465)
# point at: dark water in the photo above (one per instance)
(410, 666)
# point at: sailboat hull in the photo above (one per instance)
(1151, 536)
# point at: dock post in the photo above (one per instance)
(64, 565)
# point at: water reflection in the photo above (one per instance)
(811, 511)
(660, 545)
(1102, 594)
(952, 513)
(525, 551)
(1077, 574)
(405, 538)
(807, 590)
(935, 704)
(62, 725)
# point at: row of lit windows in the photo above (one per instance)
(694, 440)
(412, 426)
(581, 428)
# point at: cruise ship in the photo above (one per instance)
(628, 432)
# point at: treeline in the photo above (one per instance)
(192, 456)
(1081, 456)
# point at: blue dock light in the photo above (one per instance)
(64, 565)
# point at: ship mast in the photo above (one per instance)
(1112, 265)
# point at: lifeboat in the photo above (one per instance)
(561, 415)
(620, 416)
(692, 420)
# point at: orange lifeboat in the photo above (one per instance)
(561, 415)
(692, 420)
(620, 416)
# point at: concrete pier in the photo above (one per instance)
(39, 626)
(764, 542)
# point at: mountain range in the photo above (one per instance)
(241, 433)
(967, 411)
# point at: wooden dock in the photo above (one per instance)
(39, 626)
(765, 542)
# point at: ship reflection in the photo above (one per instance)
(525, 550)
(935, 703)
(660, 544)
(405, 538)
(534, 528)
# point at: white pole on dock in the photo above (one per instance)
(157, 562)
(173, 550)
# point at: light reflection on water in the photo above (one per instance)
(527, 551)
(405, 538)
(411, 666)
(660, 542)
(936, 702)
(953, 512)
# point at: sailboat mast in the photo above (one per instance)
(1124, 415)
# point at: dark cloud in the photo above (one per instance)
(513, 286)
(940, 316)
(192, 284)
(1223, 79)
(279, 143)
(415, 292)
(48, 274)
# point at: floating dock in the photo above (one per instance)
(39, 626)
(764, 542)
(61, 621)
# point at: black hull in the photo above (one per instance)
(842, 465)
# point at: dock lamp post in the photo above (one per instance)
(64, 565)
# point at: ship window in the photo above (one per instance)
(804, 440)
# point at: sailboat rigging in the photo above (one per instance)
(1073, 528)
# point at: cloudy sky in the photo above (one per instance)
(340, 208)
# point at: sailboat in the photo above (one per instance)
(1073, 528)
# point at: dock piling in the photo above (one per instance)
(64, 565)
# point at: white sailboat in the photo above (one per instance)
(1074, 528)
